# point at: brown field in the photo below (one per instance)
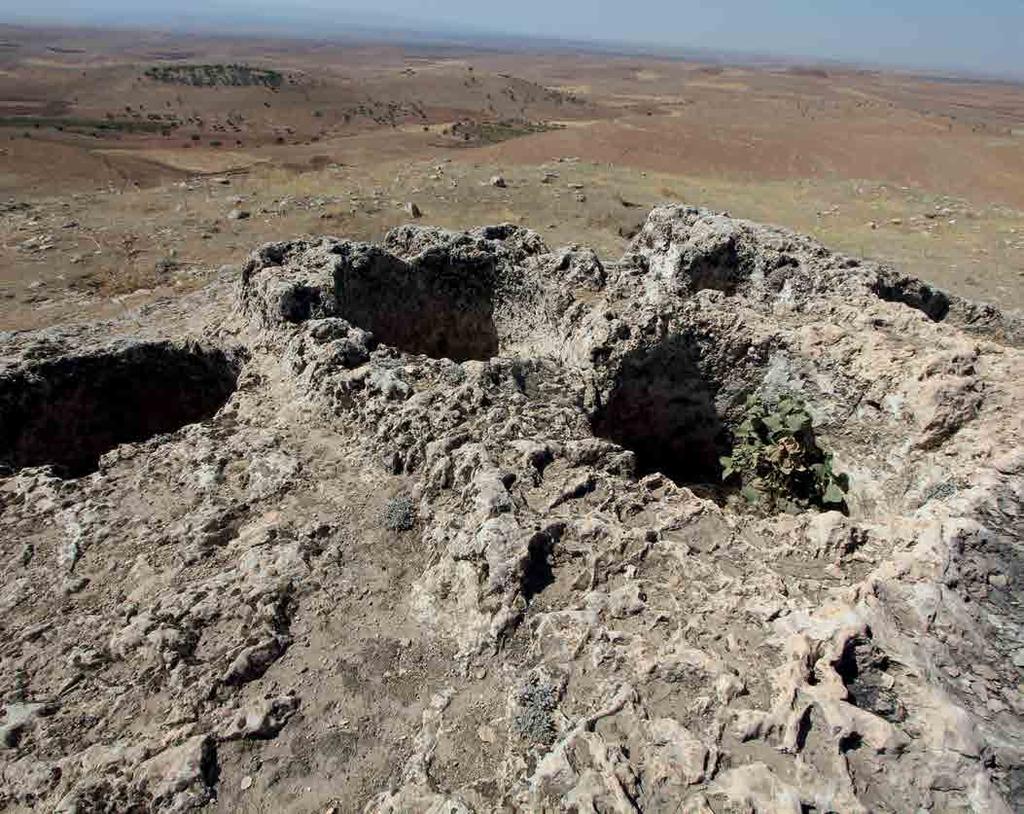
(116, 186)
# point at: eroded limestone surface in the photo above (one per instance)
(224, 605)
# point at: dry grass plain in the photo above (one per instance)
(117, 187)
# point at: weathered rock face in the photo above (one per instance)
(579, 617)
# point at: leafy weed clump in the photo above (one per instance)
(776, 460)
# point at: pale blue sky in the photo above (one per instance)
(984, 35)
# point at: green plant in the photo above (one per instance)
(776, 460)
(535, 703)
(79, 125)
(399, 514)
(208, 76)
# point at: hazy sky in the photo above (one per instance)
(983, 35)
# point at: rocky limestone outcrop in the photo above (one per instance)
(439, 525)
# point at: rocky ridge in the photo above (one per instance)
(439, 525)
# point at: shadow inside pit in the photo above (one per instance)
(863, 669)
(914, 294)
(68, 412)
(436, 307)
(538, 573)
(663, 409)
